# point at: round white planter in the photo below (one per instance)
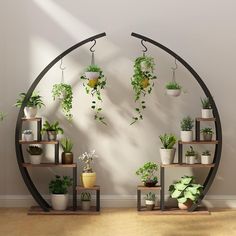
(28, 137)
(186, 136)
(207, 113)
(35, 159)
(173, 92)
(30, 112)
(59, 201)
(206, 159)
(190, 160)
(167, 155)
(92, 75)
(85, 205)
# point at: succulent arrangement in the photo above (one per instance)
(207, 130)
(168, 141)
(150, 196)
(173, 85)
(66, 145)
(34, 150)
(60, 185)
(85, 196)
(187, 124)
(190, 152)
(206, 153)
(206, 103)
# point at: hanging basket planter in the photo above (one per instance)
(173, 89)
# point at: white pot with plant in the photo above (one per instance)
(88, 177)
(186, 191)
(92, 73)
(206, 158)
(173, 89)
(150, 201)
(186, 133)
(207, 133)
(85, 201)
(206, 108)
(59, 192)
(33, 104)
(52, 130)
(35, 154)
(167, 150)
(27, 135)
(190, 156)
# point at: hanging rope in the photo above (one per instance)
(92, 51)
(62, 71)
(173, 71)
(145, 48)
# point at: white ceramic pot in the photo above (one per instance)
(30, 112)
(173, 92)
(92, 75)
(190, 160)
(186, 136)
(150, 204)
(206, 159)
(85, 205)
(186, 205)
(28, 137)
(207, 113)
(144, 66)
(59, 201)
(167, 155)
(207, 137)
(35, 159)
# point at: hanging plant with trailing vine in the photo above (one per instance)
(142, 83)
(95, 83)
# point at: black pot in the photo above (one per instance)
(150, 183)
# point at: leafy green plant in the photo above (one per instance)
(186, 124)
(168, 141)
(94, 87)
(142, 83)
(85, 196)
(148, 172)
(34, 150)
(66, 145)
(60, 185)
(173, 85)
(52, 127)
(206, 153)
(190, 152)
(206, 103)
(150, 196)
(185, 189)
(64, 93)
(2, 116)
(207, 130)
(34, 101)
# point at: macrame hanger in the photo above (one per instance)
(62, 71)
(173, 71)
(145, 48)
(92, 51)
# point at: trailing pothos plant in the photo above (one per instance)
(64, 93)
(95, 82)
(142, 82)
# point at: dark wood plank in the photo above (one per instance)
(31, 119)
(39, 142)
(81, 188)
(199, 142)
(29, 165)
(188, 165)
(205, 119)
(141, 187)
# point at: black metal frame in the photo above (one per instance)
(212, 173)
(19, 154)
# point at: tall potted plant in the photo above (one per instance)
(148, 174)
(167, 150)
(85, 201)
(52, 130)
(67, 155)
(190, 156)
(206, 108)
(88, 177)
(186, 133)
(35, 154)
(58, 188)
(207, 133)
(150, 201)
(173, 89)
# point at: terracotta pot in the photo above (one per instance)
(186, 205)
(52, 135)
(67, 158)
(88, 179)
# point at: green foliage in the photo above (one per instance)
(85, 196)
(60, 185)
(206, 103)
(206, 153)
(150, 196)
(34, 150)
(52, 127)
(66, 145)
(142, 84)
(2, 116)
(95, 90)
(168, 140)
(187, 124)
(185, 189)
(148, 172)
(190, 152)
(173, 85)
(207, 130)
(34, 101)
(65, 95)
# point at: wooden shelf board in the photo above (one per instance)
(188, 165)
(205, 119)
(199, 142)
(141, 187)
(81, 188)
(36, 210)
(31, 119)
(29, 165)
(39, 142)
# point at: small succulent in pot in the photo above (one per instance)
(190, 156)
(207, 133)
(67, 155)
(52, 130)
(206, 157)
(85, 201)
(148, 174)
(35, 154)
(206, 108)
(186, 125)
(27, 135)
(173, 89)
(150, 201)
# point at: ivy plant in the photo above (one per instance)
(142, 83)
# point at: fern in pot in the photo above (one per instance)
(67, 155)
(35, 154)
(186, 133)
(85, 201)
(206, 108)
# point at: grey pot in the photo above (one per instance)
(52, 135)
(207, 137)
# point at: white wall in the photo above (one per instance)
(202, 32)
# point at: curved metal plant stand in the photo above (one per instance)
(19, 154)
(212, 173)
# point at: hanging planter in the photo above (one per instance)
(173, 89)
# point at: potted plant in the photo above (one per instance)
(52, 130)
(27, 135)
(186, 133)
(58, 188)
(190, 156)
(173, 89)
(88, 177)
(206, 158)
(96, 82)
(142, 83)
(207, 133)
(150, 201)
(35, 154)
(33, 104)
(206, 108)
(85, 201)
(148, 174)
(167, 150)
(186, 191)
(67, 155)
(64, 93)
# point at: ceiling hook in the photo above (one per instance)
(176, 66)
(145, 50)
(61, 65)
(91, 49)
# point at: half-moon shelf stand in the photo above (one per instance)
(18, 146)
